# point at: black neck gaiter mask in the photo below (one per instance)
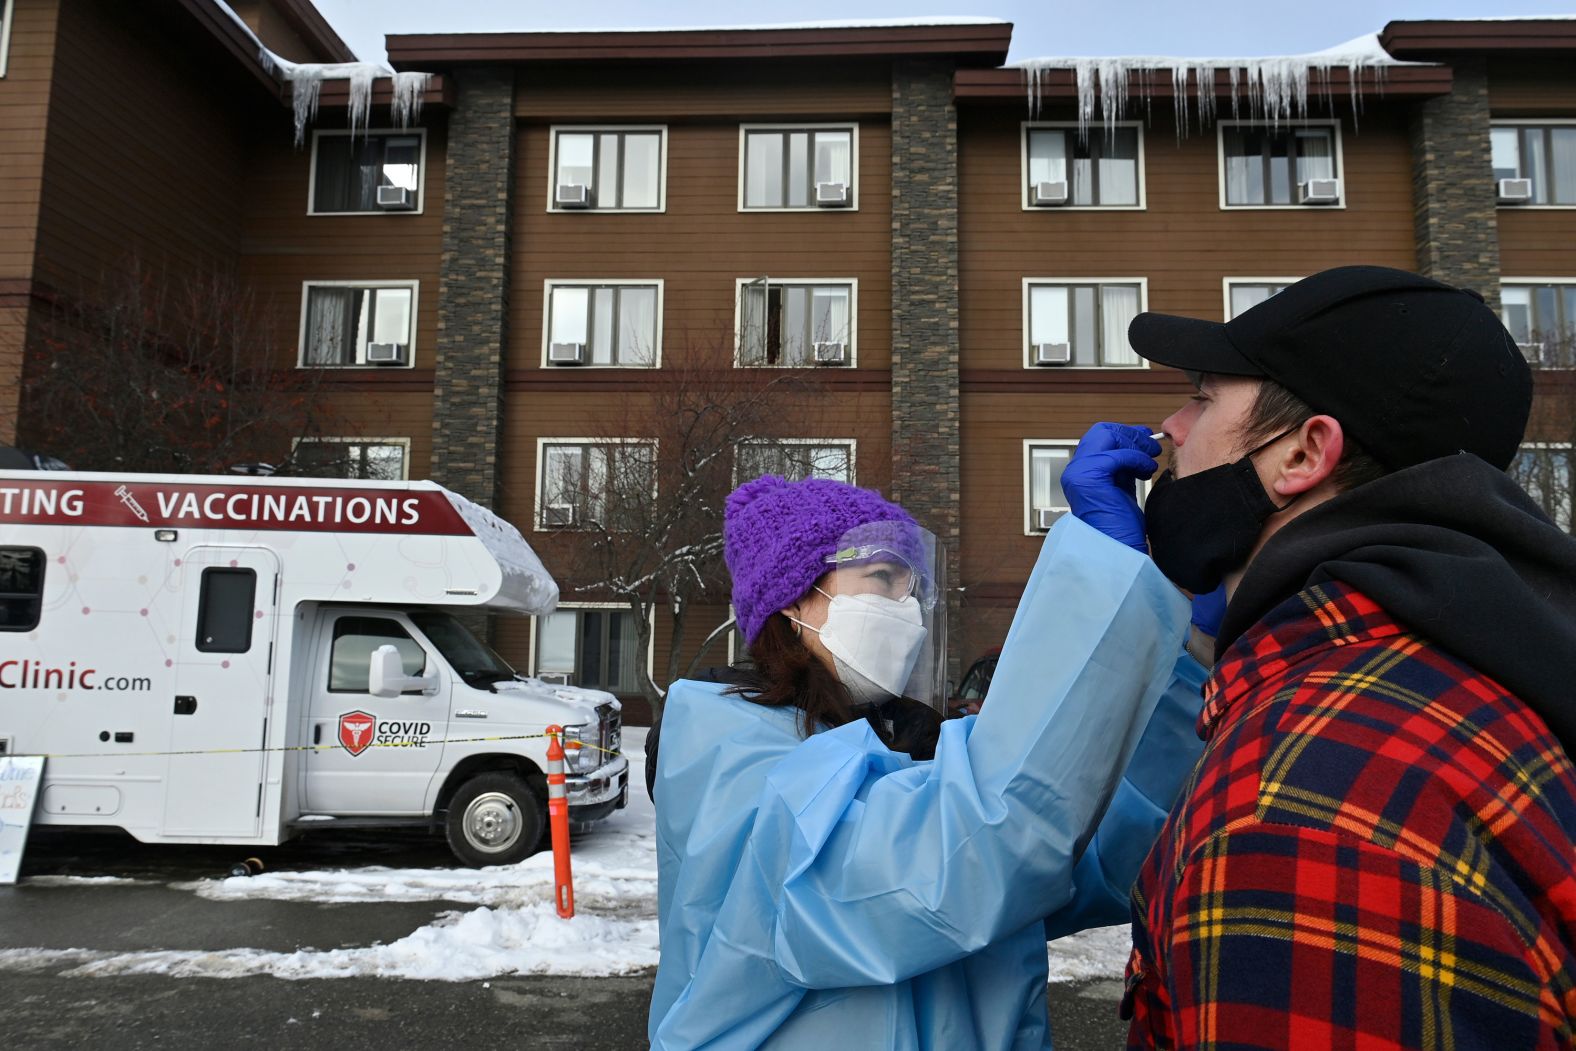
(1205, 525)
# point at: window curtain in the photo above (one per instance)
(1118, 307)
(1562, 150)
(1045, 481)
(637, 329)
(331, 316)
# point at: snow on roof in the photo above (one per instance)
(1276, 86)
(306, 83)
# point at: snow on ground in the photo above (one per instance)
(513, 929)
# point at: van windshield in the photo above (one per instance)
(473, 659)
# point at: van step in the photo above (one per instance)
(310, 822)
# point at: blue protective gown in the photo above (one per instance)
(829, 893)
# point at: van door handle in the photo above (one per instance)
(317, 734)
(185, 705)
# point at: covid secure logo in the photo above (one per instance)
(355, 732)
(360, 730)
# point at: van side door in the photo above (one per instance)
(372, 755)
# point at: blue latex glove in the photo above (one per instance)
(1101, 480)
(1209, 610)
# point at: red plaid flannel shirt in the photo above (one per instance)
(1375, 851)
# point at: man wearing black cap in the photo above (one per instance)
(1376, 848)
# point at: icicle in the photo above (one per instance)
(1235, 76)
(306, 84)
(1179, 92)
(1206, 96)
(361, 96)
(408, 92)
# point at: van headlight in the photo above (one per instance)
(582, 759)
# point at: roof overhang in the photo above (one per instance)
(304, 17)
(1010, 85)
(1435, 37)
(982, 44)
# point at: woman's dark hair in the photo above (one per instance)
(1276, 409)
(785, 673)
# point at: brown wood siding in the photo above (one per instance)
(144, 151)
(1534, 242)
(24, 113)
(272, 29)
(283, 247)
(703, 243)
(742, 90)
(1531, 87)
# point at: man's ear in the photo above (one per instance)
(1309, 462)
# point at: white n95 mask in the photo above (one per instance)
(874, 642)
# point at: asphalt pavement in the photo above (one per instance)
(44, 1005)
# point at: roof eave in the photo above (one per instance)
(1009, 85)
(973, 45)
(304, 17)
(1413, 39)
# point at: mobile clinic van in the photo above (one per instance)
(231, 660)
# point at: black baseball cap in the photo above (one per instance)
(1413, 369)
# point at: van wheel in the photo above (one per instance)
(494, 819)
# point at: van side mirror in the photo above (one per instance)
(386, 675)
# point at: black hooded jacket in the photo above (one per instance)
(1459, 554)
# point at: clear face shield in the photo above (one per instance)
(886, 624)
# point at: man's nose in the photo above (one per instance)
(1175, 426)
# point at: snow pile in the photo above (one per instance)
(1098, 953)
(306, 84)
(1275, 88)
(458, 947)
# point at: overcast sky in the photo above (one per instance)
(1045, 28)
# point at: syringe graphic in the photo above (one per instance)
(131, 502)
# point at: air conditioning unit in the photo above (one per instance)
(558, 516)
(1515, 191)
(1048, 194)
(831, 195)
(555, 678)
(573, 195)
(385, 353)
(566, 353)
(1319, 191)
(1533, 352)
(396, 199)
(1044, 518)
(831, 353)
(1053, 353)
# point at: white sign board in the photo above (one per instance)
(20, 778)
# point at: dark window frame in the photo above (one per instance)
(846, 447)
(581, 495)
(382, 135)
(1270, 135)
(851, 130)
(1094, 145)
(618, 291)
(605, 633)
(206, 610)
(33, 599)
(596, 134)
(1544, 179)
(775, 354)
(1073, 329)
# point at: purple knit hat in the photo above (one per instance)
(777, 535)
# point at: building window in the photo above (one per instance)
(348, 324)
(608, 169)
(372, 173)
(5, 32)
(369, 459)
(1092, 171)
(1246, 293)
(21, 588)
(1542, 319)
(596, 648)
(1045, 461)
(796, 322)
(588, 484)
(1081, 324)
(795, 459)
(1546, 155)
(1545, 471)
(613, 324)
(795, 167)
(1266, 167)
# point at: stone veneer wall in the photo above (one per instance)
(1454, 196)
(473, 284)
(925, 403)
